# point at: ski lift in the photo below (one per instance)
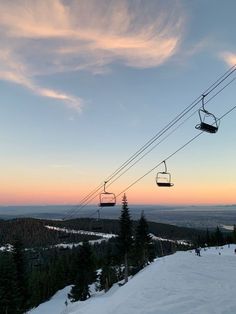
(96, 224)
(208, 122)
(163, 179)
(107, 199)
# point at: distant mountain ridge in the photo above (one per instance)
(188, 216)
(33, 232)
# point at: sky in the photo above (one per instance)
(84, 84)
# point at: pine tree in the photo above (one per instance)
(142, 242)
(8, 289)
(108, 274)
(208, 239)
(219, 236)
(125, 240)
(20, 278)
(86, 274)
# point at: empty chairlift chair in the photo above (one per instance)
(107, 199)
(163, 179)
(208, 122)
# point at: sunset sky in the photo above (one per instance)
(84, 84)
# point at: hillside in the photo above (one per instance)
(33, 233)
(112, 226)
(182, 283)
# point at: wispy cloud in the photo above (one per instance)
(46, 37)
(229, 58)
(15, 71)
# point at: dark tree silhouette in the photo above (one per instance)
(219, 238)
(20, 272)
(9, 297)
(108, 274)
(125, 240)
(142, 243)
(86, 274)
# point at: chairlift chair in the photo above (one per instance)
(208, 122)
(163, 179)
(107, 199)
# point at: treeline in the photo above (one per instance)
(112, 226)
(216, 238)
(33, 233)
(30, 277)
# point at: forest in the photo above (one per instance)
(33, 268)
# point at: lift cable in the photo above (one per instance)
(174, 121)
(154, 138)
(171, 155)
(164, 138)
(92, 196)
(179, 149)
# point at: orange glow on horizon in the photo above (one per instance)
(70, 194)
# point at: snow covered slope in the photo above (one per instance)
(182, 283)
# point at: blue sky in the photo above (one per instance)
(85, 83)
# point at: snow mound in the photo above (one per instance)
(55, 305)
(182, 283)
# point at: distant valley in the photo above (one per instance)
(188, 216)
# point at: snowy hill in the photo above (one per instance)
(182, 283)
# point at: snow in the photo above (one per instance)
(55, 305)
(7, 247)
(99, 234)
(182, 283)
(181, 242)
(227, 227)
(71, 245)
(104, 236)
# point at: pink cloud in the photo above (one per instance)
(229, 58)
(47, 37)
(16, 72)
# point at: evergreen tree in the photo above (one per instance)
(8, 289)
(208, 239)
(20, 278)
(37, 283)
(86, 274)
(108, 274)
(142, 242)
(219, 236)
(125, 240)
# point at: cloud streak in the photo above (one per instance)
(17, 73)
(48, 37)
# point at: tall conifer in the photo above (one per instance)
(9, 297)
(142, 242)
(125, 234)
(20, 275)
(86, 274)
